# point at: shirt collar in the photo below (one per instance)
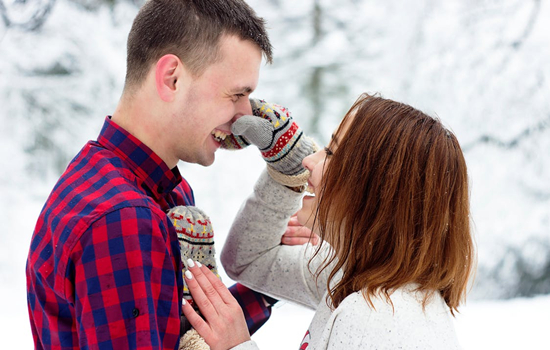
(145, 163)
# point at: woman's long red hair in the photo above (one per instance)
(394, 205)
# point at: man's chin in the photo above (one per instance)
(207, 161)
(206, 164)
(203, 160)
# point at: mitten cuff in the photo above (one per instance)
(191, 340)
(288, 180)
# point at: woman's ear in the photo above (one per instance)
(167, 72)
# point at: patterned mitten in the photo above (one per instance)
(281, 141)
(196, 238)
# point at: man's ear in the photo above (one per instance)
(167, 72)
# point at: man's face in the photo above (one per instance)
(212, 102)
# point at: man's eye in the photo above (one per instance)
(328, 151)
(236, 97)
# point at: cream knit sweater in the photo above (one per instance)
(253, 256)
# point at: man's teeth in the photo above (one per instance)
(219, 135)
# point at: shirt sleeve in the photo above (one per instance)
(255, 311)
(126, 291)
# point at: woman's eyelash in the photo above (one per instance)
(328, 151)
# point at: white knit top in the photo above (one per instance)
(253, 256)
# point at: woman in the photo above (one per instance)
(389, 199)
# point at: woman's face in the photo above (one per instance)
(316, 164)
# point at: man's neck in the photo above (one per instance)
(136, 114)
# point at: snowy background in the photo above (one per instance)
(482, 66)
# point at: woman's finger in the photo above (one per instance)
(224, 325)
(203, 300)
(294, 221)
(207, 285)
(218, 285)
(294, 240)
(196, 321)
(298, 235)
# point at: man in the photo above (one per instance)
(104, 267)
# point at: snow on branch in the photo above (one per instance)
(28, 15)
(530, 24)
(513, 143)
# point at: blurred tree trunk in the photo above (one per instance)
(314, 88)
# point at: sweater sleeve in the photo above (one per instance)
(248, 345)
(253, 255)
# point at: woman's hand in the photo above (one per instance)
(297, 234)
(224, 325)
(282, 143)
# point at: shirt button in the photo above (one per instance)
(135, 313)
(160, 189)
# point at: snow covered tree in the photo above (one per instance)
(482, 66)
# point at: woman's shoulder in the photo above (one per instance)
(409, 296)
(403, 323)
(404, 306)
(405, 296)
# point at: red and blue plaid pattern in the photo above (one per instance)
(253, 305)
(104, 266)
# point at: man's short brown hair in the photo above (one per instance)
(191, 30)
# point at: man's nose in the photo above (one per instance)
(244, 106)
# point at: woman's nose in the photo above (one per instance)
(305, 163)
(310, 161)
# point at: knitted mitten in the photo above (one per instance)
(281, 141)
(196, 238)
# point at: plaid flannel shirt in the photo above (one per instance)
(104, 266)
